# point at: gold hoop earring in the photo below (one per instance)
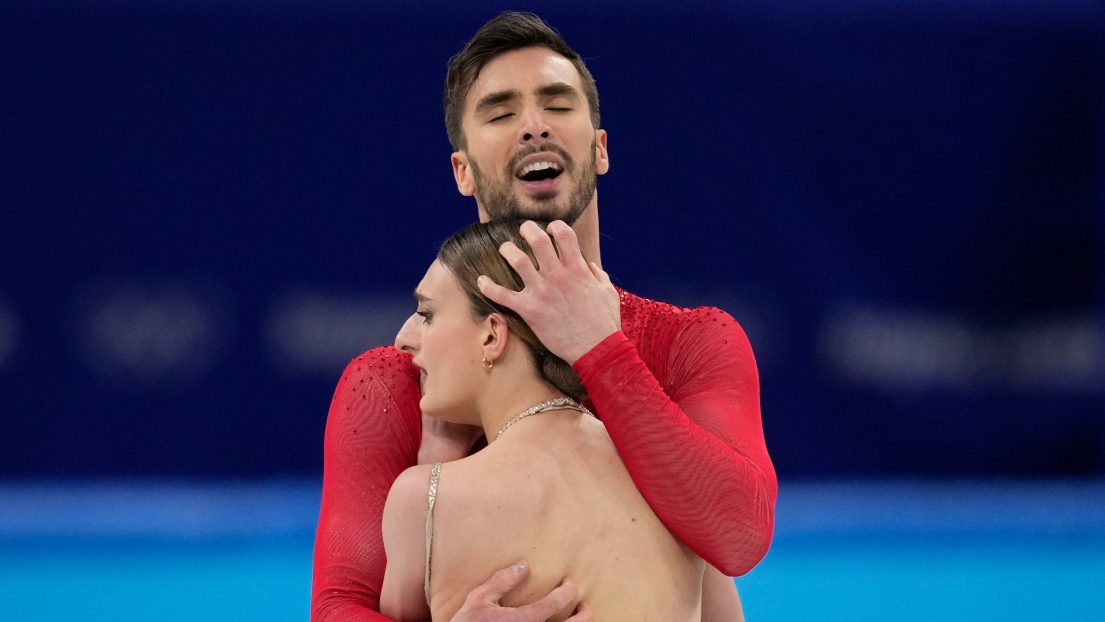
(487, 365)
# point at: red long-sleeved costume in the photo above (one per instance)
(678, 392)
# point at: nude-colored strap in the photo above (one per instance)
(435, 473)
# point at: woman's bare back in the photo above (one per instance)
(554, 492)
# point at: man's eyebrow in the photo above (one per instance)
(558, 88)
(494, 99)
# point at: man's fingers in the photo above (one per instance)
(541, 244)
(519, 261)
(600, 274)
(499, 584)
(567, 243)
(583, 614)
(497, 293)
(553, 603)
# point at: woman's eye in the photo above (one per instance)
(425, 315)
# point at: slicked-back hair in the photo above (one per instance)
(474, 250)
(506, 32)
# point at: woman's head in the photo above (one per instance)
(458, 321)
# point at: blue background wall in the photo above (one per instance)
(207, 208)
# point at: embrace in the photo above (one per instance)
(641, 511)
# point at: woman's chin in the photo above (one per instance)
(432, 410)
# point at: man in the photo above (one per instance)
(677, 389)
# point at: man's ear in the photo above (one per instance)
(495, 336)
(602, 157)
(462, 173)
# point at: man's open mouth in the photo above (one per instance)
(540, 171)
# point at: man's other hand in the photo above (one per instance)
(482, 604)
(445, 442)
(570, 305)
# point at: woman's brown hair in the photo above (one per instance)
(474, 250)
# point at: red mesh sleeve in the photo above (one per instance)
(698, 456)
(372, 435)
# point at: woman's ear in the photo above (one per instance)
(495, 337)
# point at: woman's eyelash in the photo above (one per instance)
(424, 314)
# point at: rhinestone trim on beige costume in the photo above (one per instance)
(553, 404)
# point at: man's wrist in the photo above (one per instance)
(581, 350)
(446, 442)
(597, 354)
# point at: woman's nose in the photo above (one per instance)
(407, 338)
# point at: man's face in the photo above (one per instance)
(531, 150)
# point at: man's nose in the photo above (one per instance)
(534, 127)
(407, 339)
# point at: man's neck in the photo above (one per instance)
(587, 231)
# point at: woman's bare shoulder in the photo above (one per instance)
(406, 507)
(402, 595)
(410, 490)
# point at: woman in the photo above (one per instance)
(549, 487)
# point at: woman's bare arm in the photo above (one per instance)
(403, 596)
(720, 601)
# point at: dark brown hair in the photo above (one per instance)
(506, 32)
(474, 250)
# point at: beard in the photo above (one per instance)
(500, 201)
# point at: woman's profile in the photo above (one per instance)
(549, 487)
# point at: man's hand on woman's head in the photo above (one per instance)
(482, 604)
(570, 304)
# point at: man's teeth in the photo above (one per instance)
(539, 166)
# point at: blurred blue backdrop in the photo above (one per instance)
(209, 207)
(905, 551)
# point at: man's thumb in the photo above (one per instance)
(505, 580)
